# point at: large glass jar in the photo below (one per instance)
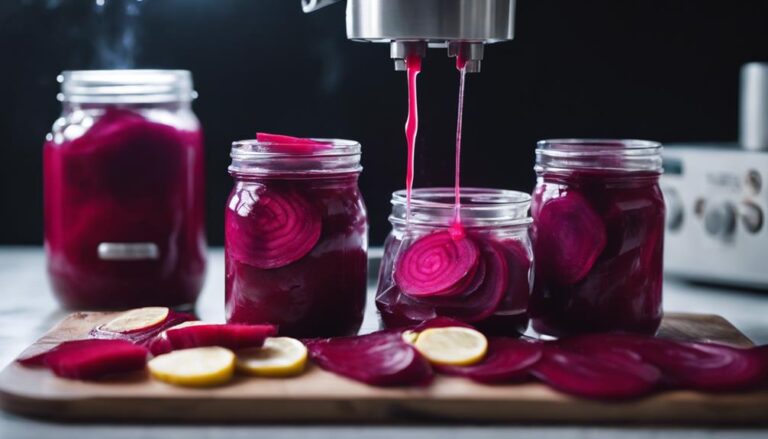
(478, 272)
(124, 191)
(598, 237)
(296, 238)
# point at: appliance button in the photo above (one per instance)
(751, 216)
(754, 181)
(720, 219)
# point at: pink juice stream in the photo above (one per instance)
(461, 64)
(413, 67)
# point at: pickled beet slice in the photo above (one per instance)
(484, 301)
(570, 236)
(282, 143)
(380, 359)
(706, 367)
(92, 359)
(272, 228)
(231, 336)
(436, 263)
(607, 375)
(144, 336)
(507, 360)
(518, 291)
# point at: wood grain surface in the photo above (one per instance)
(318, 396)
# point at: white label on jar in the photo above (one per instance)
(128, 251)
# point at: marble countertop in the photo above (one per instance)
(27, 309)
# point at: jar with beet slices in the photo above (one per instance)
(477, 271)
(124, 191)
(598, 237)
(296, 236)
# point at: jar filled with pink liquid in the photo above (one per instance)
(478, 271)
(296, 236)
(124, 191)
(598, 237)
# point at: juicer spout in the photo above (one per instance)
(400, 50)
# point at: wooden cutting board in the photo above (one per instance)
(318, 396)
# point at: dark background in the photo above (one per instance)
(659, 69)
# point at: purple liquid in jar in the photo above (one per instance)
(493, 295)
(598, 238)
(124, 208)
(296, 240)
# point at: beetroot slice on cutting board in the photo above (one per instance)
(142, 337)
(276, 228)
(570, 236)
(706, 367)
(437, 264)
(230, 336)
(607, 375)
(380, 359)
(92, 358)
(508, 360)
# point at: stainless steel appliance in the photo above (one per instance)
(717, 198)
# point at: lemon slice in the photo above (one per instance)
(452, 346)
(196, 367)
(136, 319)
(410, 336)
(279, 357)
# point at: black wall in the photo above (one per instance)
(658, 69)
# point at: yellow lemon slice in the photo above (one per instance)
(452, 346)
(196, 367)
(279, 357)
(410, 336)
(136, 319)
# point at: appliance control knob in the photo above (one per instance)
(720, 219)
(674, 209)
(751, 216)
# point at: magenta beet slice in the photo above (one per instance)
(231, 336)
(507, 360)
(484, 301)
(92, 359)
(570, 236)
(698, 366)
(272, 228)
(436, 263)
(603, 376)
(281, 143)
(144, 336)
(518, 291)
(379, 359)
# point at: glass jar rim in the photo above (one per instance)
(254, 157)
(479, 207)
(603, 154)
(126, 86)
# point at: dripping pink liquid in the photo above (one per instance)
(461, 65)
(413, 67)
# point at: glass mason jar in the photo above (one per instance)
(124, 191)
(479, 272)
(296, 238)
(598, 237)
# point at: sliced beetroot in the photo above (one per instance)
(698, 366)
(484, 301)
(607, 375)
(144, 336)
(272, 228)
(92, 359)
(436, 264)
(518, 292)
(230, 336)
(300, 145)
(507, 360)
(379, 359)
(570, 236)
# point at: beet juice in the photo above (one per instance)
(598, 237)
(296, 236)
(477, 272)
(124, 191)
